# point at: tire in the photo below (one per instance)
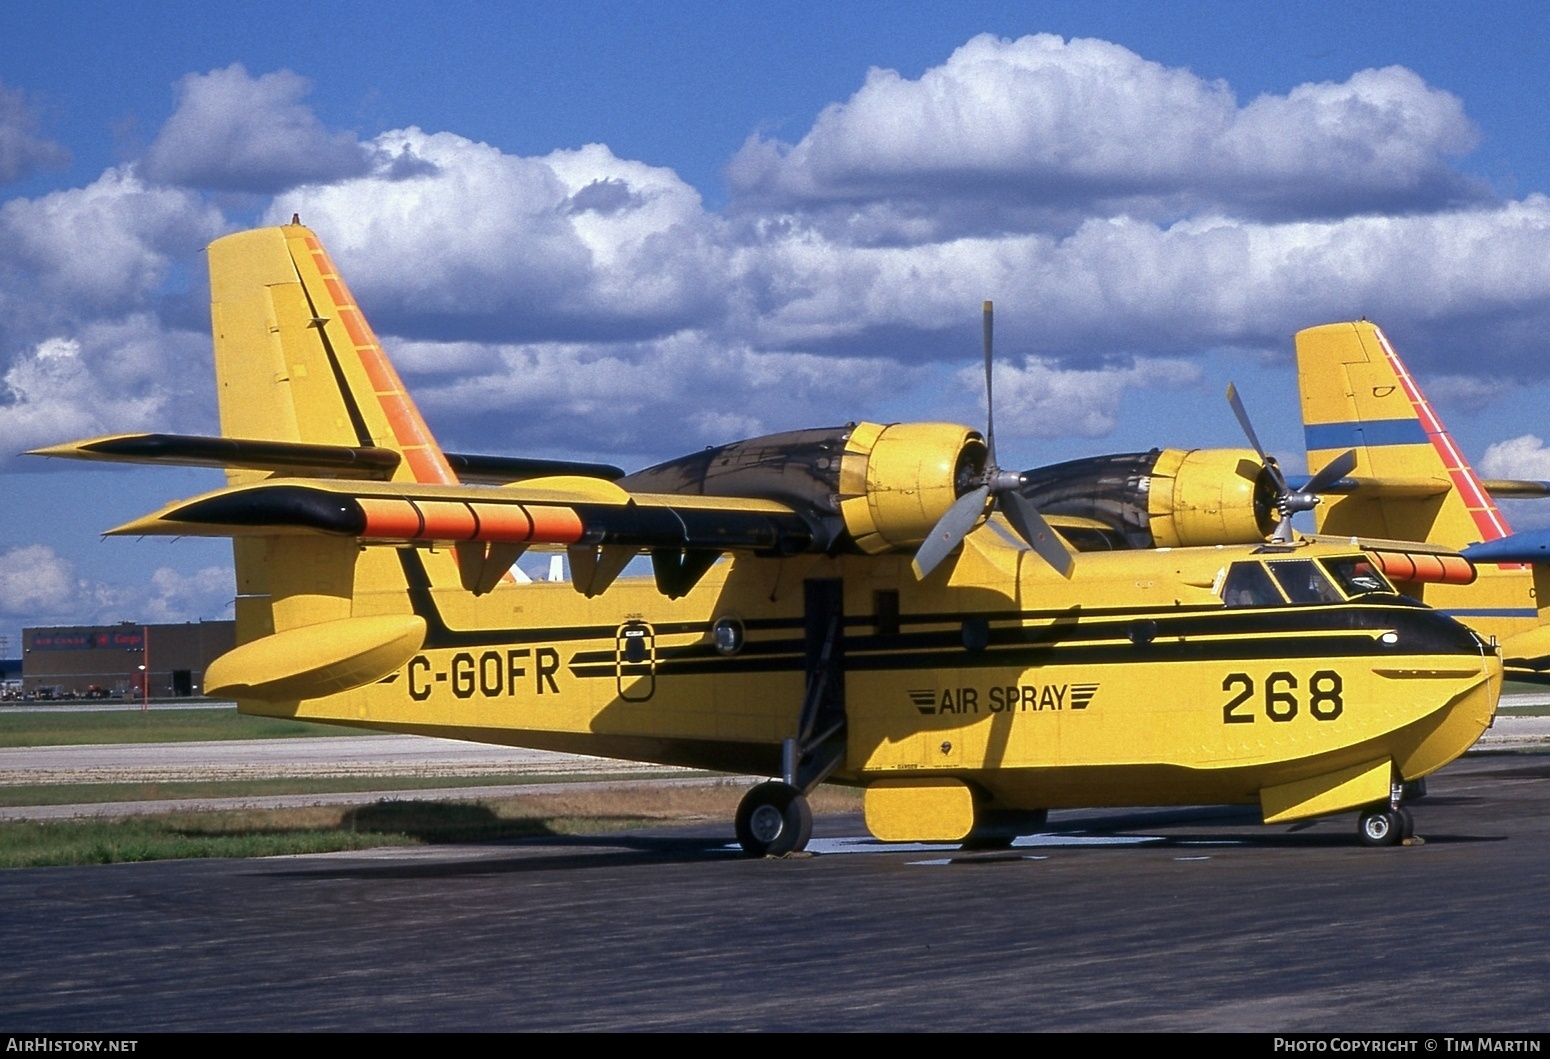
(1408, 830)
(1380, 827)
(773, 820)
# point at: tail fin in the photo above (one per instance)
(1357, 394)
(295, 359)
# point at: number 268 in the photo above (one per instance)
(1280, 698)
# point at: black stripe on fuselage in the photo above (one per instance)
(1176, 635)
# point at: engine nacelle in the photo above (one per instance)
(879, 487)
(897, 481)
(1210, 496)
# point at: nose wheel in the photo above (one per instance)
(773, 819)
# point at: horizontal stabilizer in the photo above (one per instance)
(1530, 546)
(345, 461)
(187, 450)
(1516, 488)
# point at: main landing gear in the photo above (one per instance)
(773, 820)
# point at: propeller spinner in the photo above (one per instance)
(993, 483)
(1289, 501)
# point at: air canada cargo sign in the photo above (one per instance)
(88, 639)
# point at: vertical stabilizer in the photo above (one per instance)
(295, 359)
(1357, 394)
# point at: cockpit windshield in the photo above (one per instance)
(1358, 575)
(1304, 582)
(1248, 585)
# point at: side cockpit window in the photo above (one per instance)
(1247, 585)
(1304, 582)
(1358, 575)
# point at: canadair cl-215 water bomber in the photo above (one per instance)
(872, 605)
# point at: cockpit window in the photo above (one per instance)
(1248, 585)
(1358, 575)
(1304, 582)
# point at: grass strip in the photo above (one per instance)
(152, 726)
(74, 793)
(322, 829)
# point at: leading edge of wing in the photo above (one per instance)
(556, 511)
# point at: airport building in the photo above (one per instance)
(112, 661)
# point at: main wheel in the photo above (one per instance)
(1381, 827)
(773, 820)
(1408, 829)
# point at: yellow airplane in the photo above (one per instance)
(873, 605)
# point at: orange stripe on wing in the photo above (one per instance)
(389, 519)
(555, 525)
(503, 522)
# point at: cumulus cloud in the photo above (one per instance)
(97, 250)
(34, 580)
(110, 377)
(1466, 392)
(40, 587)
(1042, 400)
(22, 150)
(643, 402)
(1520, 457)
(1460, 284)
(1040, 131)
(527, 296)
(235, 132)
(575, 245)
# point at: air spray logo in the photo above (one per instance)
(1009, 698)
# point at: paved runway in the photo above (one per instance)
(1154, 920)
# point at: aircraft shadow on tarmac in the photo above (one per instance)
(1217, 826)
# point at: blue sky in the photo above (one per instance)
(763, 236)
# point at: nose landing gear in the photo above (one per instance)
(1385, 827)
(1391, 824)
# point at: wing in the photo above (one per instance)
(601, 525)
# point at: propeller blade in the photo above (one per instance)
(1036, 530)
(1333, 471)
(1248, 429)
(950, 530)
(990, 400)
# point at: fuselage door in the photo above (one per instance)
(635, 661)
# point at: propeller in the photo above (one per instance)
(1289, 501)
(992, 483)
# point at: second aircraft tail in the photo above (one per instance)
(1357, 394)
